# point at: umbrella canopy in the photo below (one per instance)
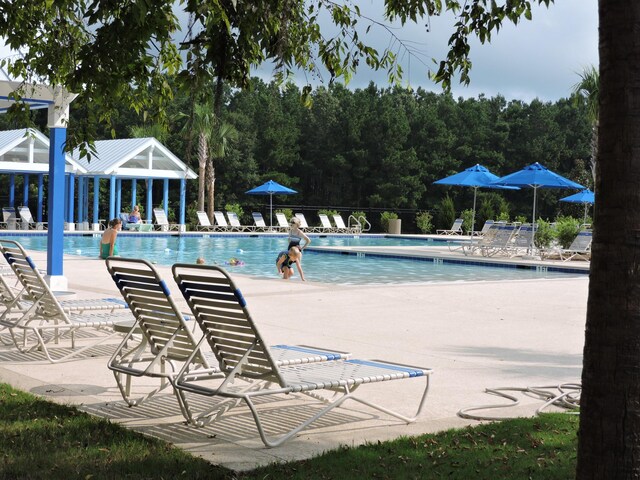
(536, 176)
(585, 197)
(271, 188)
(475, 177)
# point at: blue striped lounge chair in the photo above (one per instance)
(221, 312)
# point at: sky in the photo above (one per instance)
(540, 59)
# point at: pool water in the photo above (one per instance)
(258, 257)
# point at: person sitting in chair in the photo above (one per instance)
(134, 216)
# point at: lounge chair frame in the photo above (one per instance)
(35, 318)
(220, 312)
(162, 222)
(456, 228)
(167, 338)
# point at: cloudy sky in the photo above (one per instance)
(536, 59)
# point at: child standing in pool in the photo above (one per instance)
(285, 261)
(108, 241)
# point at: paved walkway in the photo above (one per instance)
(475, 335)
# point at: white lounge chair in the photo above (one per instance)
(235, 224)
(163, 222)
(485, 228)
(258, 220)
(203, 222)
(221, 313)
(580, 248)
(36, 318)
(9, 219)
(497, 240)
(28, 223)
(283, 223)
(456, 228)
(221, 222)
(522, 242)
(325, 224)
(168, 338)
(342, 227)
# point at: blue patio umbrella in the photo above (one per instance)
(474, 177)
(586, 197)
(536, 176)
(271, 188)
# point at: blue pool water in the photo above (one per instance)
(259, 255)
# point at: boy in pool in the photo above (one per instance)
(285, 261)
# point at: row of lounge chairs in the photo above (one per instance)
(512, 239)
(228, 362)
(20, 219)
(231, 223)
(161, 222)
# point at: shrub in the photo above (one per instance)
(235, 208)
(521, 219)
(566, 230)
(359, 216)
(384, 220)
(446, 212)
(467, 219)
(545, 234)
(503, 217)
(328, 213)
(423, 222)
(287, 212)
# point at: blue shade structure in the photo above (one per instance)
(271, 188)
(586, 197)
(474, 177)
(536, 176)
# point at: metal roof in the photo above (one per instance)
(27, 151)
(134, 158)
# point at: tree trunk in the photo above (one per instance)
(211, 181)
(609, 438)
(203, 148)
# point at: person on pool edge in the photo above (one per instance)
(108, 246)
(285, 261)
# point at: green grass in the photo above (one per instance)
(39, 439)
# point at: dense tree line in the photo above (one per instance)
(379, 149)
(382, 148)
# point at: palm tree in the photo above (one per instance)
(221, 135)
(146, 131)
(589, 88)
(202, 123)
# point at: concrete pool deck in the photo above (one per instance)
(473, 334)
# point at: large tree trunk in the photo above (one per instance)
(609, 439)
(203, 149)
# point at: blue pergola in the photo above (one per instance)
(132, 160)
(25, 152)
(56, 100)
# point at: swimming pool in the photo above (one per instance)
(259, 255)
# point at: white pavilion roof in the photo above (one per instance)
(27, 151)
(134, 158)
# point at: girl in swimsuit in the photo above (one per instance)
(285, 261)
(108, 242)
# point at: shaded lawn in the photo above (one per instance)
(43, 440)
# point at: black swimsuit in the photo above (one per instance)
(287, 263)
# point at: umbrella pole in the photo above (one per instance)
(271, 211)
(533, 224)
(473, 217)
(584, 220)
